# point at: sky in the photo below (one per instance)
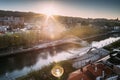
(77, 8)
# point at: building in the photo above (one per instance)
(96, 71)
(3, 29)
(11, 20)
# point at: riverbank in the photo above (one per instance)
(45, 45)
(35, 75)
(113, 46)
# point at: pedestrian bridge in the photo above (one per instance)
(92, 55)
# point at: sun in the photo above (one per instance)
(49, 11)
(51, 28)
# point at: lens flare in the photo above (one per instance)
(52, 28)
(57, 71)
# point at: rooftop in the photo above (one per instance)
(91, 72)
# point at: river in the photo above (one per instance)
(18, 65)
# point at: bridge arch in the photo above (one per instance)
(88, 52)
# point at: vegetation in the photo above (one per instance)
(113, 45)
(33, 37)
(112, 58)
(82, 31)
(45, 72)
(18, 39)
(70, 21)
(26, 15)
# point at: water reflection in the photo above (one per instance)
(20, 64)
(16, 62)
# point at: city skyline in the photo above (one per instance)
(75, 8)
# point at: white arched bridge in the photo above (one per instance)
(92, 55)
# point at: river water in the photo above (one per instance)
(18, 65)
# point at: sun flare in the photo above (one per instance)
(49, 11)
(52, 29)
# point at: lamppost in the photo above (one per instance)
(57, 71)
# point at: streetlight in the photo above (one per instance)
(57, 71)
